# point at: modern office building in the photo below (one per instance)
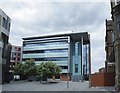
(16, 56)
(109, 47)
(85, 63)
(5, 22)
(66, 50)
(115, 11)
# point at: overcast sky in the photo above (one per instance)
(41, 18)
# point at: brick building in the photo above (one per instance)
(16, 56)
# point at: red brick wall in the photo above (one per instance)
(64, 78)
(103, 79)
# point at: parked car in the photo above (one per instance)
(16, 77)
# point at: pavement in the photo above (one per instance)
(60, 86)
(0, 88)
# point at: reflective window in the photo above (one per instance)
(85, 59)
(64, 67)
(3, 24)
(44, 44)
(57, 50)
(76, 68)
(49, 59)
(46, 51)
(9, 27)
(76, 51)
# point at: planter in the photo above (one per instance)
(31, 78)
(43, 79)
(38, 78)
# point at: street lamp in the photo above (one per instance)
(89, 54)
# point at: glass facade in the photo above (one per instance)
(85, 60)
(76, 60)
(67, 51)
(47, 50)
(57, 46)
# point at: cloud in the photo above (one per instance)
(40, 18)
(54, 1)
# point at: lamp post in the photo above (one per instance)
(89, 54)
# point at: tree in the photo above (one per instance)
(26, 70)
(19, 70)
(44, 70)
(48, 69)
(30, 68)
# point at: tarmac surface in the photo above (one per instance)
(60, 86)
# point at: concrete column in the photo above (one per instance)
(1, 44)
(69, 54)
(82, 59)
(116, 20)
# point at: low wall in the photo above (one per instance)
(64, 78)
(103, 79)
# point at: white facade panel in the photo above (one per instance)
(64, 71)
(6, 32)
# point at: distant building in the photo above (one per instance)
(66, 50)
(5, 22)
(109, 47)
(16, 56)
